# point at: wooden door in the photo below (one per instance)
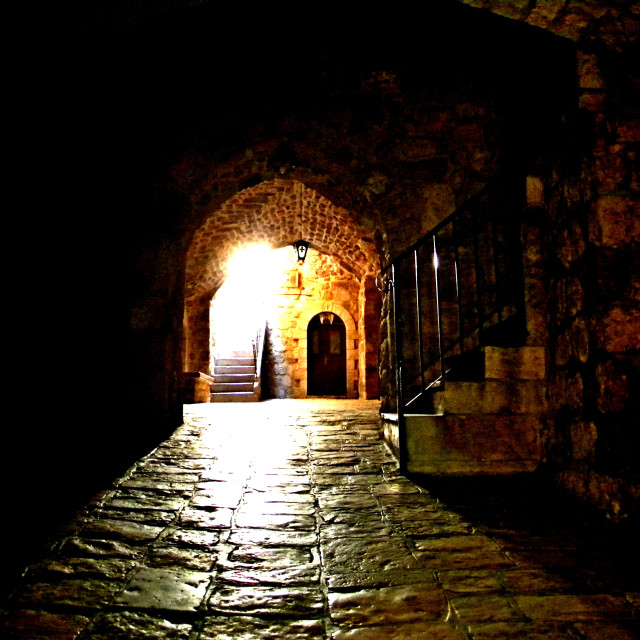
(327, 356)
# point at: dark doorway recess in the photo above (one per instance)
(327, 356)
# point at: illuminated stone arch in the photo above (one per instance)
(352, 339)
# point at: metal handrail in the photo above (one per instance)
(479, 244)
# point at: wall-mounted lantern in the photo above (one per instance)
(301, 247)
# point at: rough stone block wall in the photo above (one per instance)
(594, 209)
(324, 284)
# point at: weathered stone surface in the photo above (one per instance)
(136, 626)
(376, 579)
(465, 444)
(390, 559)
(338, 500)
(165, 589)
(484, 608)
(363, 517)
(160, 482)
(75, 593)
(131, 532)
(275, 521)
(400, 486)
(571, 607)
(217, 495)
(299, 602)
(534, 581)
(486, 559)
(255, 507)
(361, 554)
(614, 221)
(519, 630)
(146, 503)
(187, 558)
(534, 191)
(273, 538)
(259, 497)
(431, 630)
(152, 517)
(618, 331)
(98, 568)
(108, 548)
(584, 436)
(42, 625)
(609, 630)
(206, 518)
(248, 628)
(388, 605)
(469, 581)
(204, 538)
(272, 556)
(292, 576)
(352, 530)
(494, 396)
(523, 363)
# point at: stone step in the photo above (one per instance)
(233, 369)
(238, 396)
(220, 387)
(234, 377)
(234, 362)
(235, 354)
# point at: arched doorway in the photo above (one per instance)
(326, 355)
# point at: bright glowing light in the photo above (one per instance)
(254, 274)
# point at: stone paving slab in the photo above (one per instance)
(289, 520)
(251, 628)
(164, 589)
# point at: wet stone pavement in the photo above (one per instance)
(289, 520)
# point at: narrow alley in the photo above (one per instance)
(288, 519)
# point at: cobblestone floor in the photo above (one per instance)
(289, 520)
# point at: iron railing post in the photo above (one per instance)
(436, 269)
(397, 328)
(419, 319)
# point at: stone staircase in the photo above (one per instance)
(234, 378)
(492, 426)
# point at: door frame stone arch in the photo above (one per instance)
(352, 339)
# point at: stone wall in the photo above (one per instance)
(324, 285)
(593, 202)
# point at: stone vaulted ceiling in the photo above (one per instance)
(275, 212)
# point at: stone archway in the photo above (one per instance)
(352, 337)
